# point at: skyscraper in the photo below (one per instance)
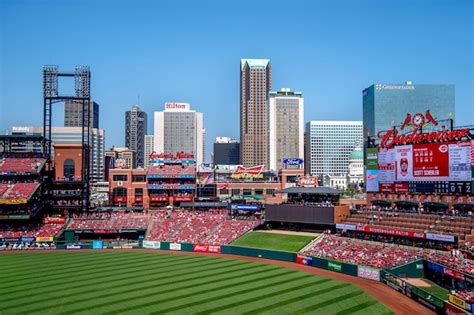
(387, 105)
(148, 149)
(329, 145)
(135, 131)
(73, 114)
(226, 151)
(255, 83)
(179, 129)
(286, 126)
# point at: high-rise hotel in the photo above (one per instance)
(179, 129)
(255, 84)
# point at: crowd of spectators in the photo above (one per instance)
(10, 165)
(17, 190)
(212, 226)
(172, 170)
(109, 221)
(354, 251)
(30, 230)
(454, 259)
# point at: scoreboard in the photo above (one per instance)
(443, 168)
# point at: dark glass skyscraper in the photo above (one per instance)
(387, 105)
(135, 131)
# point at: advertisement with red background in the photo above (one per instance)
(201, 248)
(431, 161)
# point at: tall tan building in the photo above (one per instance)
(255, 83)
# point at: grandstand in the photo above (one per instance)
(205, 227)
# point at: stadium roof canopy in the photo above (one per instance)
(311, 191)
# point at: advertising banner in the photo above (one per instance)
(248, 207)
(334, 266)
(248, 172)
(457, 301)
(97, 244)
(159, 198)
(79, 246)
(44, 238)
(14, 201)
(187, 198)
(120, 199)
(201, 248)
(453, 273)
(404, 163)
(368, 273)
(372, 158)
(293, 161)
(460, 161)
(27, 239)
(348, 227)
(304, 260)
(452, 310)
(307, 181)
(59, 220)
(377, 230)
(372, 181)
(9, 240)
(440, 237)
(104, 231)
(386, 160)
(175, 246)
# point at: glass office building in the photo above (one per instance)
(387, 105)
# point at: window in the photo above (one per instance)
(247, 191)
(139, 178)
(69, 168)
(259, 191)
(138, 191)
(120, 192)
(224, 191)
(235, 191)
(269, 191)
(117, 178)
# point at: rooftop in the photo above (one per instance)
(254, 63)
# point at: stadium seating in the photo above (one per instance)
(172, 170)
(432, 223)
(21, 165)
(17, 190)
(354, 251)
(106, 221)
(451, 261)
(207, 227)
(42, 230)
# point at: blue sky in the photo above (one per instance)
(189, 51)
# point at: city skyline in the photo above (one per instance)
(434, 50)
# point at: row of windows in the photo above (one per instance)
(245, 191)
(124, 178)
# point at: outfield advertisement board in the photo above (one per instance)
(152, 244)
(97, 244)
(304, 260)
(368, 273)
(74, 246)
(202, 248)
(175, 246)
(44, 238)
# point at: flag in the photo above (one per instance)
(208, 180)
(224, 186)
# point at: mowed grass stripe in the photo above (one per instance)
(235, 294)
(267, 271)
(272, 294)
(66, 275)
(210, 288)
(357, 308)
(101, 281)
(133, 279)
(322, 304)
(70, 274)
(79, 267)
(45, 259)
(77, 264)
(283, 302)
(133, 288)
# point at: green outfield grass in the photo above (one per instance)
(289, 243)
(154, 283)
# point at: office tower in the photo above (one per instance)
(255, 83)
(148, 149)
(123, 157)
(286, 126)
(135, 131)
(329, 145)
(73, 114)
(226, 151)
(179, 129)
(387, 105)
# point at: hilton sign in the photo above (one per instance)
(391, 138)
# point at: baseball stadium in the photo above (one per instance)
(177, 239)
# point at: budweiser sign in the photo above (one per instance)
(168, 156)
(248, 172)
(391, 138)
